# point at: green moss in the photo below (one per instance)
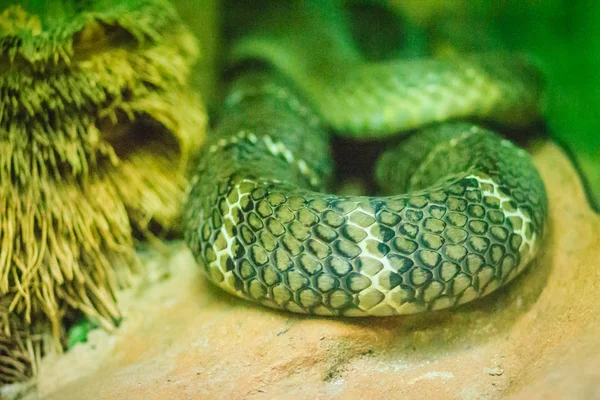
(79, 332)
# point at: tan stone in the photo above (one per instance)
(537, 338)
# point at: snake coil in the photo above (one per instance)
(464, 210)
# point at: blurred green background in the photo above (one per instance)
(565, 35)
(562, 35)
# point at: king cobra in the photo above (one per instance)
(461, 210)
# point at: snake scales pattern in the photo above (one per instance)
(463, 210)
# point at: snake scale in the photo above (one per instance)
(462, 210)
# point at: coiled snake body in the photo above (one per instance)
(466, 209)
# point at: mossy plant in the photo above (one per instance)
(96, 128)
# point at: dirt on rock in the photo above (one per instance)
(183, 338)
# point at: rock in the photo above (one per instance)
(496, 371)
(183, 338)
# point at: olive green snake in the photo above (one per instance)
(462, 210)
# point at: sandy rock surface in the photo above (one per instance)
(183, 338)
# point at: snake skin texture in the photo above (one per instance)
(466, 210)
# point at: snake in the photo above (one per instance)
(460, 210)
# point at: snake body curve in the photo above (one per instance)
(465, 209)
